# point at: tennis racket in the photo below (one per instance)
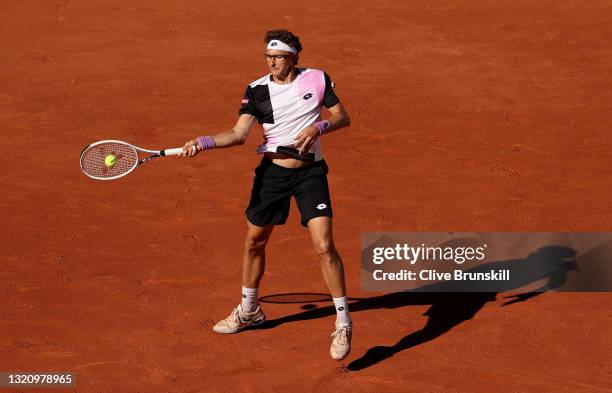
(94, 158)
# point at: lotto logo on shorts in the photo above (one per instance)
(321, 206)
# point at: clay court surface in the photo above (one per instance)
(466, 115)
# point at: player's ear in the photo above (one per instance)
(295, 59)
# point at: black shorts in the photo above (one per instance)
(274, 186)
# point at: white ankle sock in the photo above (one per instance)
(249, 299)
(343, 318)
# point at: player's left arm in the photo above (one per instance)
(338, 118)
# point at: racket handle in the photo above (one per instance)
(173, 152)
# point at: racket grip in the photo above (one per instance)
(173, 152)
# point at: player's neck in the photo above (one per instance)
(285, 79)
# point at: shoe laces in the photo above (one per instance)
(340, 335)
(233, 316)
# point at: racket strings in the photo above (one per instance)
(93, 160)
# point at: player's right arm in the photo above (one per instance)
(236, 136)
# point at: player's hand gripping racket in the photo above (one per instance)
(110, 159)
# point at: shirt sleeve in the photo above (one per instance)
(329, 97)
(248, 104)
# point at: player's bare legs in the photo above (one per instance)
(254, 259)
(248, 312)
(333, 274)
(331, 263)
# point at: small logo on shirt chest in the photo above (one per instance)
(307, 96)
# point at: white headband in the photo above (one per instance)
(279, 45)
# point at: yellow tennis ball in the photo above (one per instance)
(110, 160)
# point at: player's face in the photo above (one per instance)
(280, 62)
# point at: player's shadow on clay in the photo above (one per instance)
(549, 265)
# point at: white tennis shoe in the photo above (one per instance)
(239, 320)
(341, 344)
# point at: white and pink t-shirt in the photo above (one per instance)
(285, 110)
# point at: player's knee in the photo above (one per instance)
(253, 245)
(324, 248)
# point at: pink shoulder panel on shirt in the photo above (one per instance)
(312, 81)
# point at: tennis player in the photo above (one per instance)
(287, 103)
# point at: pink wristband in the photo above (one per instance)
(206, 142)
(324, 126)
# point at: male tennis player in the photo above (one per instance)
(287, 102)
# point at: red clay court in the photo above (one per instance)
(466, 115)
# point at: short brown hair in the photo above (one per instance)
(285, 36)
